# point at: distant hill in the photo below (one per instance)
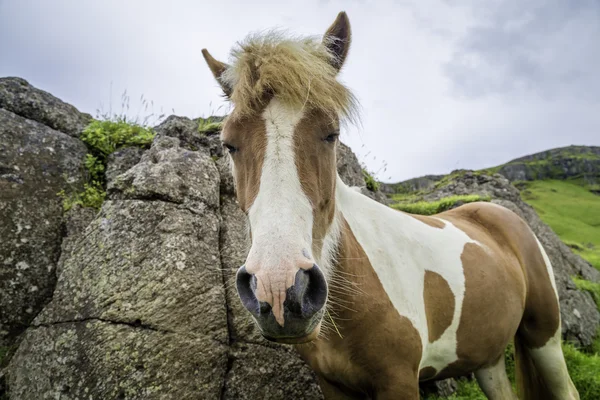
(571, 162)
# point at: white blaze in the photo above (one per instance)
(281, 217)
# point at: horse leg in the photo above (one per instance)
(543, 371)
(541, 368)
(494, 381)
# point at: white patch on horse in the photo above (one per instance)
(400, 249)
(548, 265)
(550, 364)
(281, 216)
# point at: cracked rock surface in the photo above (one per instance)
(36, 162)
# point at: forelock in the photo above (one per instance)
(298, 71)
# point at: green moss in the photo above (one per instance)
(93, 195)
(371, 183)
(434, 207)
(209, 126)
(103, 138)
(591, 287)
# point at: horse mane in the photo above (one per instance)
(298, 71)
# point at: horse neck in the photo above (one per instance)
(352, 280)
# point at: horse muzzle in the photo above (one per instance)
(292, 318)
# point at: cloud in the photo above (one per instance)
(546, 48)
(443, 85)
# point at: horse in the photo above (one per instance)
(375, 300)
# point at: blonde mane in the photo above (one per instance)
(296, 70)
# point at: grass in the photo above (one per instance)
(434, 207)
(572, 211)
(591, 287)
(103, 138)
(209, 126)
(370, 181)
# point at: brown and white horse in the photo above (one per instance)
(408, 298)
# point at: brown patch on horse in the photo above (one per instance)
(431, 221)
(316, 166)
(439, 304)
(427, 373)
(249, 137)
(506, 287)
(357, 361)
(541, 318)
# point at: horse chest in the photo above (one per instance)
(333, 361)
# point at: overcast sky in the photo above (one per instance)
(443, 84)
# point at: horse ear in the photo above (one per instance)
(217, 68)
(337, 39)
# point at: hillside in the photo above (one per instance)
(572, 210)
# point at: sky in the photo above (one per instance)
(442, 84)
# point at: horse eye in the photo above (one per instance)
(332, 137)
(230, 148)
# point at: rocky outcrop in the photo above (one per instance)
(36, 163)
(426, 182)
(580, 316)
(19, 97)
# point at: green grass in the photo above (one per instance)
(572, 211)
(591, 287)
(370, 181)
(584, 370)
(209, 126)
(434, 207)
(102, 139)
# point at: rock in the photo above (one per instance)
(186, 130)
(426, 182)
(443, 388)
(36, 163)
(348, 166)
(580, 315)
(19, 97)
(139, 308)
(169, 173)
(351, 173)
(258, 372)
(111, 360)
(122, 160)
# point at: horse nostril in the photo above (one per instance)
(309, 293)
(246, 284)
